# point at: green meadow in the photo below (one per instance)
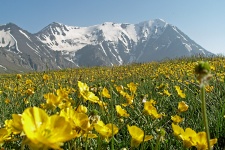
(156, 105)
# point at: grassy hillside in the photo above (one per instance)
(120, 107)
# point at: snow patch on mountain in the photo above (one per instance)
(103, 49)
(3, 67)
(36, 52)
(17, 48)
(188, 47)
(7, 39)
(175, 29)
(25, 35)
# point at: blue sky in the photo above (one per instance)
(202, 20)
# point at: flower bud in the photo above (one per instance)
(202, 70)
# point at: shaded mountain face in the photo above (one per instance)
(60, 46)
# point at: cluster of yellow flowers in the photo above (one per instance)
(41, 131)
(191, 138)
(188, 136)
(60, 107)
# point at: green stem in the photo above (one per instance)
(86, 144)
(157, 143)
(112, 117)
(205, 115)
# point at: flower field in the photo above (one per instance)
(157, 105)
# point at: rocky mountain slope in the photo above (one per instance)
(60, 46)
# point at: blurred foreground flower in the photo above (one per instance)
(79, 121)
(43, 131)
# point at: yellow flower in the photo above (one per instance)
(52, 100)
(105, 93)
(132, 87)
(44, 132)
(106, 131)
(86, 94)
(119, 88)
(187, 137)
(82, 109)
(166, 92)
(176, 119)
(209, 88)
(180, 92)
(30, 91)
(28, 81)
(129, 98)
(78, 121)
(177, 130)
(14, 125)
(191, 138)
(103, 105)
(182, 106)
(18, 76)
(62, 93)
(151, 110)
(83, 87)
(121, 112)
(201, 141)
(7, 101)
(4, 136)
(184, 135)
(137, 136)
(45, 77)
(89, 136)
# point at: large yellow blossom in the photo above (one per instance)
(106, 131)
(79, 121)
(43, 131)
(137, 136)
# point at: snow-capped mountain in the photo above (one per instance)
(60, 46)
(22, 51)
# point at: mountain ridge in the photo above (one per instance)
(58, 46)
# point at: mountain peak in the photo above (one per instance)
(155, 22)
(55, 24)
(10, 26)
(108, 43)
